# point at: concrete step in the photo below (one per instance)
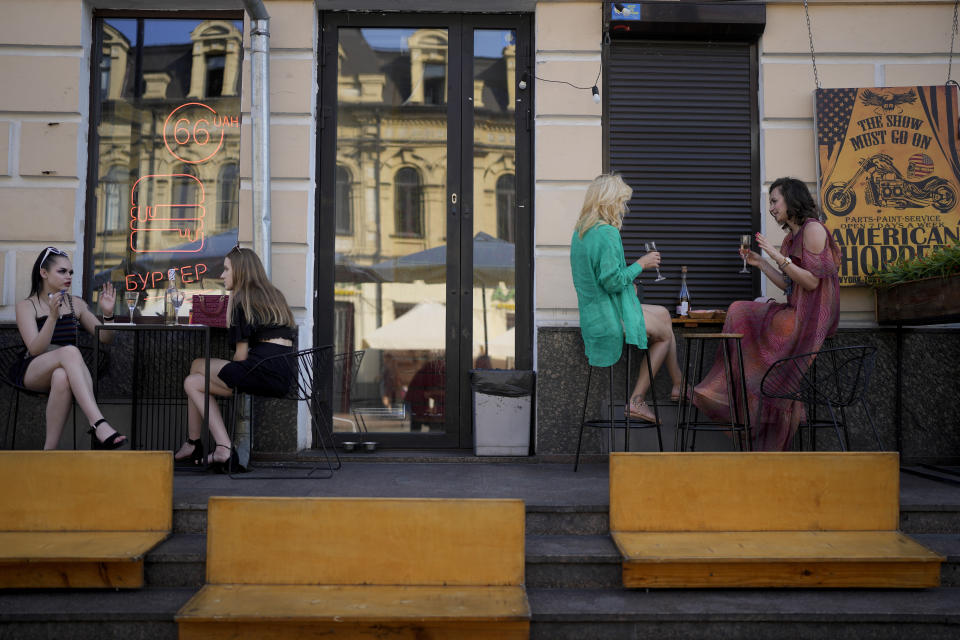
(97, 614)
(745, 614)
(572, 562)
(180, 561)
(552, 562)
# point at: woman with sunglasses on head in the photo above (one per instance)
(261, 325)
(49, 321)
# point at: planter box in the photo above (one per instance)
(928, 301)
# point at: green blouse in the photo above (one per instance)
(609, 309)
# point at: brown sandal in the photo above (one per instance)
(639, 410)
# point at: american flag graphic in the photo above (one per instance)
(920, 165)
(834, 107)
(940, 106)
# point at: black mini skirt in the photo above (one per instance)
(259, 376)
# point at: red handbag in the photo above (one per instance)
(210, 310)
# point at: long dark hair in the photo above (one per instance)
(800, 204)
(262, 303)
(44, 260)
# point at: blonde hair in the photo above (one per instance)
(605, 201)
(262, 303)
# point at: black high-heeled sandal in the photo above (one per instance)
(109, 443)
(195, 459)
(230, 465)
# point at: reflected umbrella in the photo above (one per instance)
(493, 262)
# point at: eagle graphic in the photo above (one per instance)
(887, 102)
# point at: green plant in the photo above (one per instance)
(939, 264)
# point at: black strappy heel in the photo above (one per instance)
(109, 443)
(195, 459)
(231, 465)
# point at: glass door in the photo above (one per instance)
(417, 237)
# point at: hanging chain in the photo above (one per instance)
(813, 55)
(953, 35)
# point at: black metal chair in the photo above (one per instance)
(833, 379)
(611, 422)
(345, 368)
(305, 368)
(9, 354)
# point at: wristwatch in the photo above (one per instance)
(785, 262)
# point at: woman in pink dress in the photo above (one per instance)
(806, 268)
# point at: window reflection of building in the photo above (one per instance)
(204, 68)
(344, 201)
(228, 204)
(506, 194)
(116, 200)
(391, 179)
(408, 203)
(215, 68)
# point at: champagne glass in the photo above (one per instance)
(177, 300)
(131, 298)
(744, 248)
(652, 246)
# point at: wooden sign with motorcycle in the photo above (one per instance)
(889, 173)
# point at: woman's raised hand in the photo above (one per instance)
(767, 246)
(108, 299)
(650, 260)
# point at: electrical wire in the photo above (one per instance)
(575, 86)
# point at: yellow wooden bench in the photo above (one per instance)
(361, 567)
(763, 520)
(82, 518)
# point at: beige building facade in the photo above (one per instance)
(46, 53)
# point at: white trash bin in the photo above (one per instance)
(502, 411)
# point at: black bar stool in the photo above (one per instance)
(611, 422)
(738, 426)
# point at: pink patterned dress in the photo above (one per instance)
(772, 331)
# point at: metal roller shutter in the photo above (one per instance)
(682, 132)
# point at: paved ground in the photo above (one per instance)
(537, 483)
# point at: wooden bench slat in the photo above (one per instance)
(77, 546)
(770, 546)
(695, 575)
(365, 541)
(408, 630)
(354, 603)
(707, 491)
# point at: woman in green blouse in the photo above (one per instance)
(610, 312)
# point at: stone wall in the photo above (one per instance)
(931, 405)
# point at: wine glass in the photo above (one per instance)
(177, 300)
(652, 246)
(131, 298)
(744, 248)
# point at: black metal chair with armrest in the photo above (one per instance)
(345, 368)
(304, 367)
(9, 354)
(835, 379)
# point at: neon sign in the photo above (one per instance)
(193, 133)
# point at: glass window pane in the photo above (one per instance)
(494, 198)
(168, 153)
(391, 250)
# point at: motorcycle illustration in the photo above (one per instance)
(886, 187)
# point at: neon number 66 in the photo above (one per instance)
(181, 131)
(190, 125)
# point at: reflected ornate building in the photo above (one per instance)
(391, 178)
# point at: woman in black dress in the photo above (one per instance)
(261, 325)
(49, 320)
